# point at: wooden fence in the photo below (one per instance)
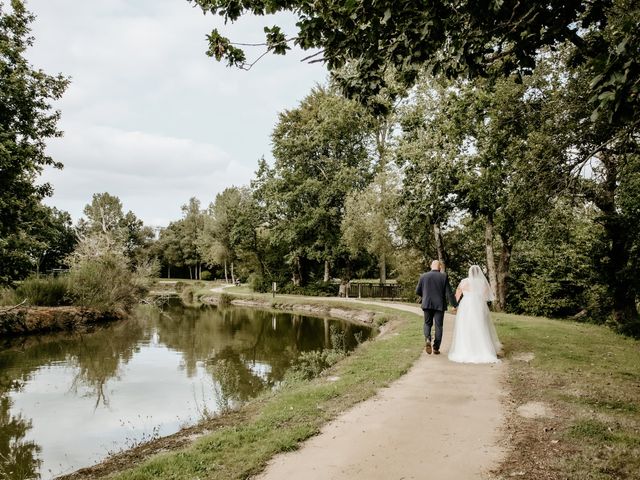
(375, 290)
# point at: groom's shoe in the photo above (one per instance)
(436, 351)
(427, 348)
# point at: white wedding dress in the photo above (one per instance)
(474, 337)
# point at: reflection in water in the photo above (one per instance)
(108, 389)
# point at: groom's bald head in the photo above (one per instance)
(435, 265)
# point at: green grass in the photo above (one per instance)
(291, 414)
(590, 376)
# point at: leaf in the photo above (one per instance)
(596, 80)
(387, 16)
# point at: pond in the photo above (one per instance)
(68, 400)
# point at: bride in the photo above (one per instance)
(474, 337)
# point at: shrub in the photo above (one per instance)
(316, 289)
(186, 294)
(224, 300)
(104, 283)
(44, 291)
(258, 283)
(206, 275)
(8, 297)
(312, 364)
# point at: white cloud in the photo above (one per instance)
(152, 174)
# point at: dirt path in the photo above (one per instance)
(439, 421)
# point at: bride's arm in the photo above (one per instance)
(459, 291)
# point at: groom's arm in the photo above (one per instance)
(450, 296)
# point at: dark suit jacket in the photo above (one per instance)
(434, 288)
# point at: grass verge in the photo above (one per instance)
(589, 379)
(278, 421)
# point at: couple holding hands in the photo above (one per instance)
(474, 337)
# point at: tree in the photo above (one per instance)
(26, 121)
(216, 243)
(168, 247)
(40, 245)
(190, 229)
(105, 215)
(428, 152)
(368, 221)
(455, 38)
(602, 166)
(503, 124)
(321, 152)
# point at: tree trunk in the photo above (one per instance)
(169, 271)
(233, 275)
(491, 263)
(503, 272)
(619, 273)
(327, 272)
(437, 234)
(383, 269)
(226, 275)
(190, 274)
(297, 273)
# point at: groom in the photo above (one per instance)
(434, 289)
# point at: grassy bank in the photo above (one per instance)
(589, 379)
(278, 421)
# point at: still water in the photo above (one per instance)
(68, 400)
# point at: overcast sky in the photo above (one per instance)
(148, 116)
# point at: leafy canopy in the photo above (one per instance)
(451, 37)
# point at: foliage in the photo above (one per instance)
(105, 216)
(258, 283)
(224, 300)
(467, 38)
(41, 245)
(231, 231)
(100, 277)
(44, 291)
(27, 120)
(553, 272)
(206, 275)
(314, 289)
(321, 154)
(8, 297)
(311, 364)
(369, 218)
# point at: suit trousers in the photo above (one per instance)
(430, 317)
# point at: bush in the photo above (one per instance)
(316, 289)
(186, 294)
(258, 283)
(44, 291)
(224, 300)
(312, 364)
(8, 297)
(206, 275)
(104, 283)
